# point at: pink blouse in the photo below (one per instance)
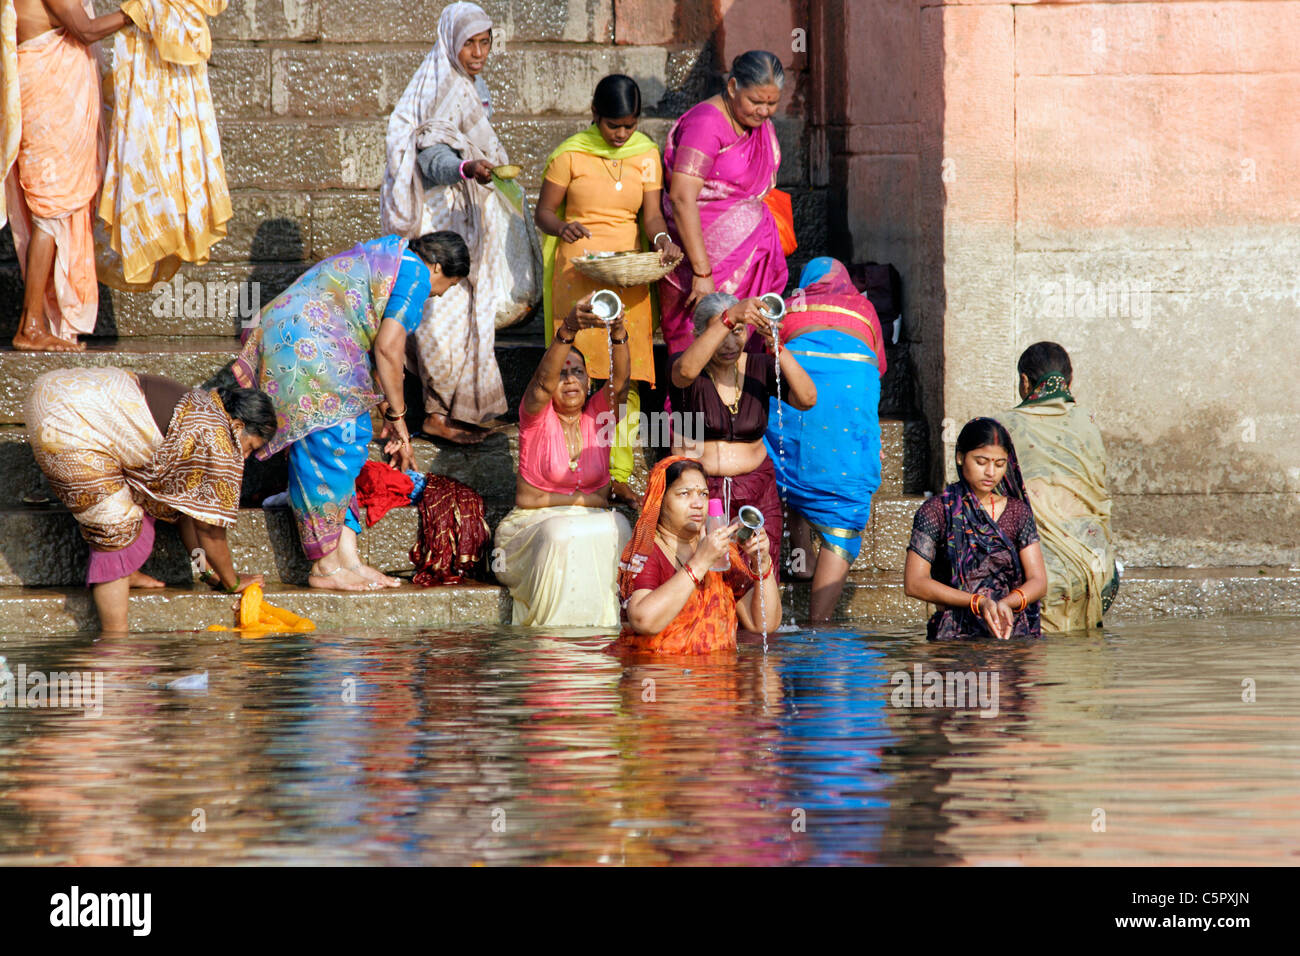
(544, 455)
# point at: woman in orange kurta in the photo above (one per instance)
(597, 183)
(675, 603)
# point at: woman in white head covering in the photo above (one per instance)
(441, 153)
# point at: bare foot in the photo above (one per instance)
(374, 576)
(340, 579)
(31, 339)
(440, 426)
(139, 579)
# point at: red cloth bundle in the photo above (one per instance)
(381, 487)
(453, 532)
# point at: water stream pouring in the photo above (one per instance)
(773, 307)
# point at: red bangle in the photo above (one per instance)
(759, 577)
(727, 320)
(976, 599)
(691, 574)
(1024, 601)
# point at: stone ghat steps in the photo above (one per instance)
(489, 468)
(43, 547)
(871, 599)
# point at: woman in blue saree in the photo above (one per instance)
(974, 550)
(311, 352)
(830, 467)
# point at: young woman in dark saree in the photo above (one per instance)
(974, 550)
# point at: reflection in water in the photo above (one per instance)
(511, 746)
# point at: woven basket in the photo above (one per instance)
(627, 268)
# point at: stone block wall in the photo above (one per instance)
(303, 90)
(1119, 177)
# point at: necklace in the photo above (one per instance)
(618, 180)
(671, 552)
(733, 406)
(572, 442)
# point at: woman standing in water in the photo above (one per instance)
(974, 548)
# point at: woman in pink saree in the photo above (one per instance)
(721, 160)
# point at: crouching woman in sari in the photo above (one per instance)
(974, 550)
(560, 543)
(121, 450)
(1064, 463)
(676, 602)
(311, 352)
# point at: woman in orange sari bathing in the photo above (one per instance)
(675, 603)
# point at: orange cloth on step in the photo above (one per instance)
(256, 616)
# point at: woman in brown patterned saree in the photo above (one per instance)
(121, 450)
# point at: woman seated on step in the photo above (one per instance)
(1064, 464)
(121, 450)
(974, 550)
(716, 383)
(831, 462)
(312, 350)
(560, 543)
(676, 602)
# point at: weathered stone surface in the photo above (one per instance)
(303, 154)
(240, 79)
(648, 22)
(341, 220)
(267, 20)
(533, 81)
(330, 81)
(1148, 593)
(764, 25)
(267, 227)
(1207, 530)
(1157, 38)
(186, 360)
(54, 611)
(884, 87)
(581, 21)
(890, 530)
(529, 141)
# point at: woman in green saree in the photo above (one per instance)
(1063, 462)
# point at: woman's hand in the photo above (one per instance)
(479, 170)
(700, 287)
(994, 618)
(756, 547)
(714, 545)
(573, 231)
(581, 316)
(246, 581)
(668, 250)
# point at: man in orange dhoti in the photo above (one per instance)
(52, 161)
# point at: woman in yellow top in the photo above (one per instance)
(596, 184)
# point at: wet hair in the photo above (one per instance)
(445, 248)
(251, 406)
(678, 468)
(715, 303)
(757, 68)
(616, 96)
(1042, 359)
(979, 432)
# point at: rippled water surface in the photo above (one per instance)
(509, 746)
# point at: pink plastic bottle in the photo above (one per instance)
(717, 519)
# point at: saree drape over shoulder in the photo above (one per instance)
(310, 352)
(456, 341)
(53, 161)
(94, 438)
(1064, 464)
(971, 552)
(165, 197)
(740, 232)
(831, 463)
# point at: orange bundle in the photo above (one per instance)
(259, 617)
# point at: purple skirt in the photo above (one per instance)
(111, 565)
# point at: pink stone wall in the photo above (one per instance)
(1116, 176)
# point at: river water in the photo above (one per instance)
(1174, 742)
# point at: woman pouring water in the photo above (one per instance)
(727, 390)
